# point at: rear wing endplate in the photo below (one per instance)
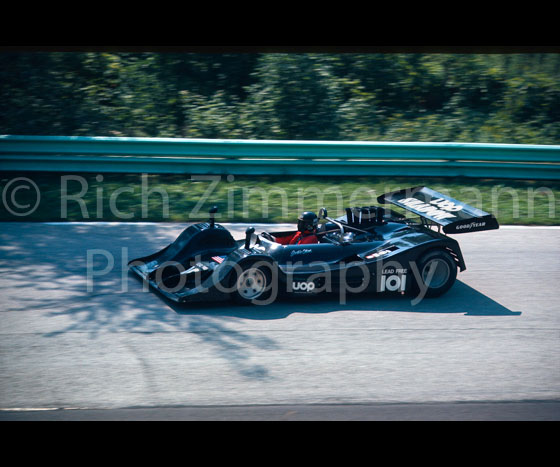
(455, 217)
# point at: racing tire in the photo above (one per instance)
(253, 283)
(437, 270)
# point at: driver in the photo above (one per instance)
(307, 230)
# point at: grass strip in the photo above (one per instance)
(56, 197)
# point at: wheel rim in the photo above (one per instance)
(435, 273)
(251, 283)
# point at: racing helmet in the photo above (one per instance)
(307, 221)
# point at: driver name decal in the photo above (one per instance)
(300, 252)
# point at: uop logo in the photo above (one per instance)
(303, 286)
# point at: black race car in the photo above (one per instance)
(368, 249)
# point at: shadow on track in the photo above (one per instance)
(44, 289)
(460, 299)
(45, 269)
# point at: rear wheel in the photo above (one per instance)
(437, 273)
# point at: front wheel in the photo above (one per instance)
(253, 284)
(437, 272)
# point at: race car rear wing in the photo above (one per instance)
(455, 217)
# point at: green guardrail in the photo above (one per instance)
(219, 156)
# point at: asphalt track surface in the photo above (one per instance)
(487, 350)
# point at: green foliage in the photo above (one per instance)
(509, 98)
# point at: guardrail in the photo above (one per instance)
(269, 157)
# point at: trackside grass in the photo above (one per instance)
(55, 197)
